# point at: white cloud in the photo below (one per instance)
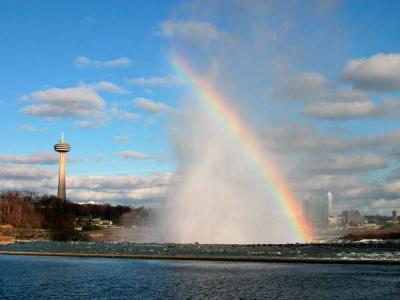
(34, 158)
(24, 184)
(120, 189)
(380, 72)
(345, 163)
(84, 62)
(326, 182)
(150, 106)
(384, 203)
(197, 31)
(65, 103)
(123, 115)
(127, 116)
(325, 100)
(314, 87)
(136, 155)
(105, 86)
(350, 95)
(392, 188)
(12, 172)
(304, 139)
(121, 139)
(119, 182)
(163, 81)
(81, 102)
(44, 158)
(305, 86)
(389, 108)
(341, 110)
(90, 123)
(307, 140)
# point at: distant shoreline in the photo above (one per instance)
(212, 258)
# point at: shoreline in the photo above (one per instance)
(211, 258)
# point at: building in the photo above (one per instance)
(316, 210)
(62, 147)
(352, 217)
(394, 215)
(330, 203)
(89, 223)
(334, 220)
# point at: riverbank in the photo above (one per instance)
(388, 232)
(137, 234)
(6, 240)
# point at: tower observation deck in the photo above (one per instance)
(62, 147)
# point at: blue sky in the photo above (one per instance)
(39, 48)
(104, 66)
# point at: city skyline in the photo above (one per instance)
(328, 113)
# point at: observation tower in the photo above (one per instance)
(62, 147)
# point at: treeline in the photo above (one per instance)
(33, 211)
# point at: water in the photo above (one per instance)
(80, 278)
(28, 277)
(359, 251)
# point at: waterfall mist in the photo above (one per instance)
(219, 195)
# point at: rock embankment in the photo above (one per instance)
(6, 240)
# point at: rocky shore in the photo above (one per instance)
(6, 240)
(9, 235)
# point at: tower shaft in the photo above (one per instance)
(62, 147)
(61, 176)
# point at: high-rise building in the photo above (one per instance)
(62, 147)
(394, 215)
(330, 202)
(316, 210)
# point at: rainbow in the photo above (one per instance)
(276, 184)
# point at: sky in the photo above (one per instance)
(318, 81)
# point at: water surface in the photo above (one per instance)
(27, 277)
